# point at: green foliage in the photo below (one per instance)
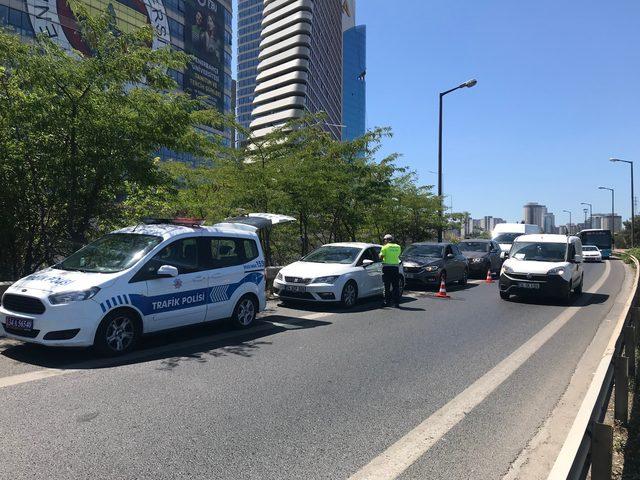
(78, 134)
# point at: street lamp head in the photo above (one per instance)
(614, 160)
(471, 83)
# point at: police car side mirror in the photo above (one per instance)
(167, 271)
(366, 263)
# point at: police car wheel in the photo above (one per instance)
(117, 334)
(245, 312)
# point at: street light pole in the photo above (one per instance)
(633, 213)
(568, 229)
(585, 210)
(590, 213)
(613, 225)
(467, 84)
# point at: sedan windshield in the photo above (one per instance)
(111, 253)
(431, 251)
(333, 254)
(474, 246)
(588, 248)
(507, 237)
(539, 251)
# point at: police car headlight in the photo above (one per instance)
(556, 271)
(432, 268)
(68, 297)
(279, 277)
(330, 280)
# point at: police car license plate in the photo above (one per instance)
(532, 286)
(19, 323)
(295, 288)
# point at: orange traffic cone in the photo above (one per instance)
(489, 276)
(443, 290)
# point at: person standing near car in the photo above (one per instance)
(390, 256)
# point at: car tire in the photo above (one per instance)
(578, 289)
(117, 334)
(349, 296)
(567, 296)
(245, 311)
(465, 277)
(504, 295)
(402, 284)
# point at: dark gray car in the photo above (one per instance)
(483, 255)
(428, 263)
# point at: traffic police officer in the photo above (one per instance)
(390, 256)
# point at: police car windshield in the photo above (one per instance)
(539, 251)
(432, 251)
(111, 253)
(474, 246)
(333, 254)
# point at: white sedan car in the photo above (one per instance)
(337, 272)
(591, 253)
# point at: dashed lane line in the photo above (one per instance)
(391, 463)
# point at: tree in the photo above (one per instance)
(78, 134)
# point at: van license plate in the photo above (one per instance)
(19, 323)
(533, 286)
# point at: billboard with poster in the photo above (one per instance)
(204, 40)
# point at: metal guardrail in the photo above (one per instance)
(589, 444)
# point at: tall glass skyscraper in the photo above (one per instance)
(249, 30)
(201, 28)
(354, 70)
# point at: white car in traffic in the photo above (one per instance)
(591, 253)
(337, 272)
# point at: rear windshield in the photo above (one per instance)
(474, 246)
(507, 237)
(431, 251)
(539, 251)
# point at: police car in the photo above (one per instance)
(158, 275)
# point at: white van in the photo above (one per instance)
(155, 276)
(505, 233)
(545, 265)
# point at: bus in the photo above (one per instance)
(600, 238)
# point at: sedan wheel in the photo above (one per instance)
(349, 295)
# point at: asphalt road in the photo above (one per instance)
(307, 394)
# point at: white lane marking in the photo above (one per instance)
(32, 376)
(406, 451)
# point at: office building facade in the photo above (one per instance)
(201, 28)
(354, 70)
(299, 64)
(549, 223)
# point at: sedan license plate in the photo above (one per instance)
(295, 288)
(19, 323)
(532, 286)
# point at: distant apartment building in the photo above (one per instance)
(534, 214)
(299, 64)
(354, 70)
(549, 223)
(603, 221)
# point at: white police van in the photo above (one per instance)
(154, 276)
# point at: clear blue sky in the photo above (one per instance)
(557, 95)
